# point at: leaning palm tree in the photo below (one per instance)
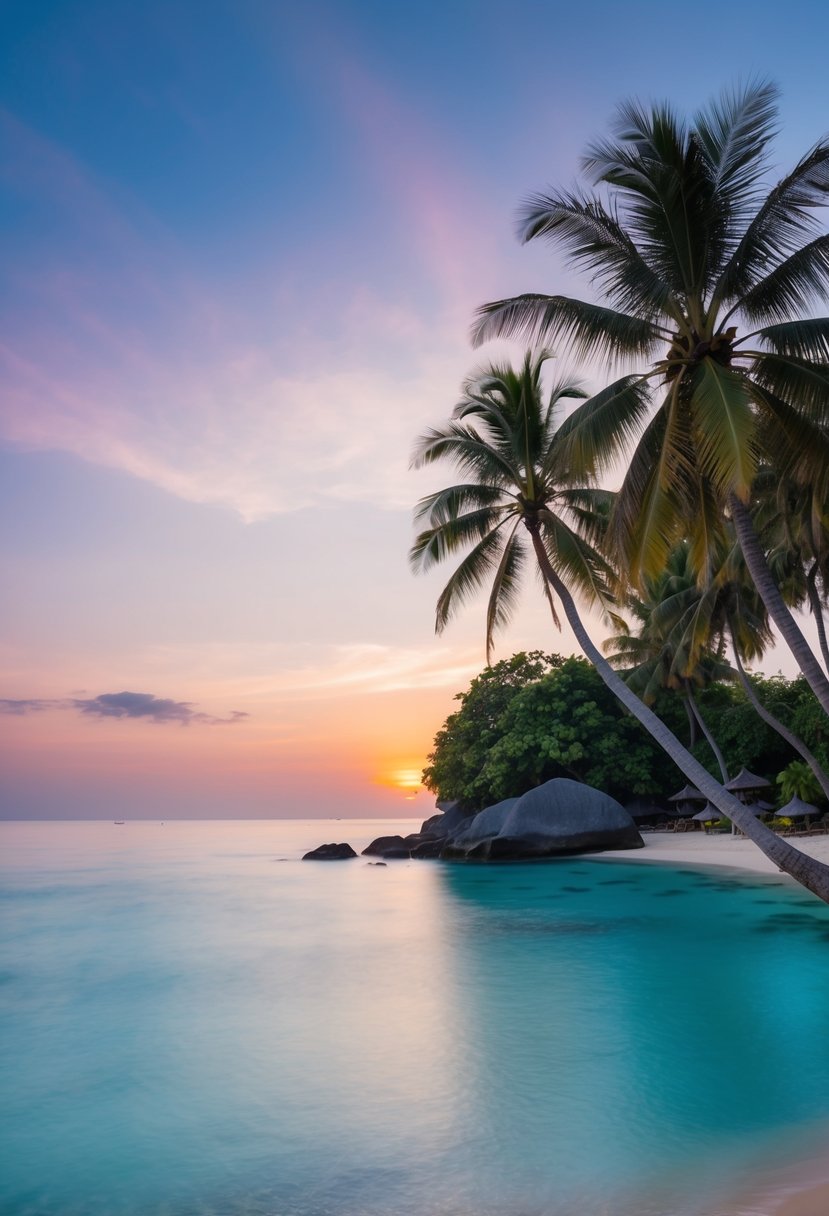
(730, 613)
(653, 654)
(793, 521)
(520, 493)
(708, 280)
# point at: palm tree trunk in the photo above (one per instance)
(692, 723)
(775, 723)
(769, 592)
(817, 612)
(712, 743)
(812, 874)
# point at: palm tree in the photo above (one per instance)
(710, 280)
(655, 656)
(504, 438)
(730, 612)
(793, 521)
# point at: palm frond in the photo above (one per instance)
(808, 339)
(725, 427)
(447, 504)
(797, 446)
(781, 224)
(648, 511)
(793, 286)
(467, 450)
(590, 508)
(705, 531)
(588, 329)
(599, 430)
(805, 385)
(734, 132)
(436, 544)
(578, 563)
(594, 239)
(505, 587)
(468, 577)
(666, 193)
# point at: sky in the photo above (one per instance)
(242, 243)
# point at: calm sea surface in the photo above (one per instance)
(194, 1021)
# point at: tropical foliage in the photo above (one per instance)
(505, 438)
(532, 717)
(707, 279)
(562, 722)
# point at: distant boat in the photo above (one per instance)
(119, 822)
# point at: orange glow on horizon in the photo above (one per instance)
(405, 778)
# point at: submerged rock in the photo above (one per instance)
(330, 852)
(557, 819)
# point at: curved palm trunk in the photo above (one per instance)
(770, 594)
(817, 612)
(692, 723)
(812, 874)
(775, 723)
(712, 742)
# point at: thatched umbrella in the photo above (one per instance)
(685, 800)
(688, 794)
(796, 808)
(708, 814)
(746, 783)
(642, 811)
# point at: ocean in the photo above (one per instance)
(193, 1021)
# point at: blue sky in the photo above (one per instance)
(243, 244)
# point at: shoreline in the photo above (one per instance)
(798, 1188)
(726, 852)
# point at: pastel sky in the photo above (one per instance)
(242, 243)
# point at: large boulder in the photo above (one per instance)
(330, 852)
(480, 827)
(556, 819)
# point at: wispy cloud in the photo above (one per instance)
(300, 393)
(142, 706)
(268, 673)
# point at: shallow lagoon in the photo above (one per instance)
(193, 1021)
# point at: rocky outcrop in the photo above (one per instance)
(451, 821)
(388, 846)
(330, 852)
(557, 819)
(426, 843)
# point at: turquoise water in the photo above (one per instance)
(193, 1021)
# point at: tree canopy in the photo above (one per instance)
(536, 716)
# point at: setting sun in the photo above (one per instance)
(406, 779)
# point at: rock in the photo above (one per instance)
(427, 848)
(330, 852)
(375, 863)
(487, 822)
(441, 827)
(387, 846)
(559, 818)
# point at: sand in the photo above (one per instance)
(695, 848)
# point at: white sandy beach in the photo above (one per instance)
(695, 848)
